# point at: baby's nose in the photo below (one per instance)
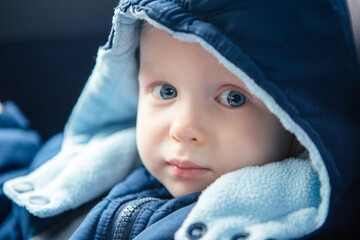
(187, 132)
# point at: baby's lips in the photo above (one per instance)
(184, 164)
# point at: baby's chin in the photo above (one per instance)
(182, 189)
(176, 193)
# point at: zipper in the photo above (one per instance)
(125, 217)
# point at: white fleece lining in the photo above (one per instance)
(285, 119)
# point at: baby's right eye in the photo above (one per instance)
(231, 98)
(164, 91)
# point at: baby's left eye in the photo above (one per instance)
(164, 91)
(232, 98)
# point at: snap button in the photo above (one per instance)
(23, 187)
(240, 236)
(196, 231)
(39, 200)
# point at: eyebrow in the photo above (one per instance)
(234, 80)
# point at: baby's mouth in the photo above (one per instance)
(186, 169)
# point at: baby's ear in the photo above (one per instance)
(296, 148)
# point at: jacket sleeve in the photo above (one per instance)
(99, 146)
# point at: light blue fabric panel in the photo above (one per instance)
(99, 147)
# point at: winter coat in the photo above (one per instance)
(298, 57)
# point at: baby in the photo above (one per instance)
(196, 120)
(235, 130)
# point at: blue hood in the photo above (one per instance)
(301, 55)
(298, 57)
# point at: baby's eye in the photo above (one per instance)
(164, 91)
(232, 98)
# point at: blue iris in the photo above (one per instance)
(232, 98)
(165, 91)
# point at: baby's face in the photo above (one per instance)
(196, 120)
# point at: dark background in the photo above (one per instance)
(48, 49)
(47, 52)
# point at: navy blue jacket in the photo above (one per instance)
(150, 207)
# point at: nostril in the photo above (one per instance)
(174, 137)
(186, 133)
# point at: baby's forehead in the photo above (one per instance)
(221, 73)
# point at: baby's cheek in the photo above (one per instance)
(275, 139)
(142, 138)
(143, 141)
(144, 145)
(246, 144)
(148, 139)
